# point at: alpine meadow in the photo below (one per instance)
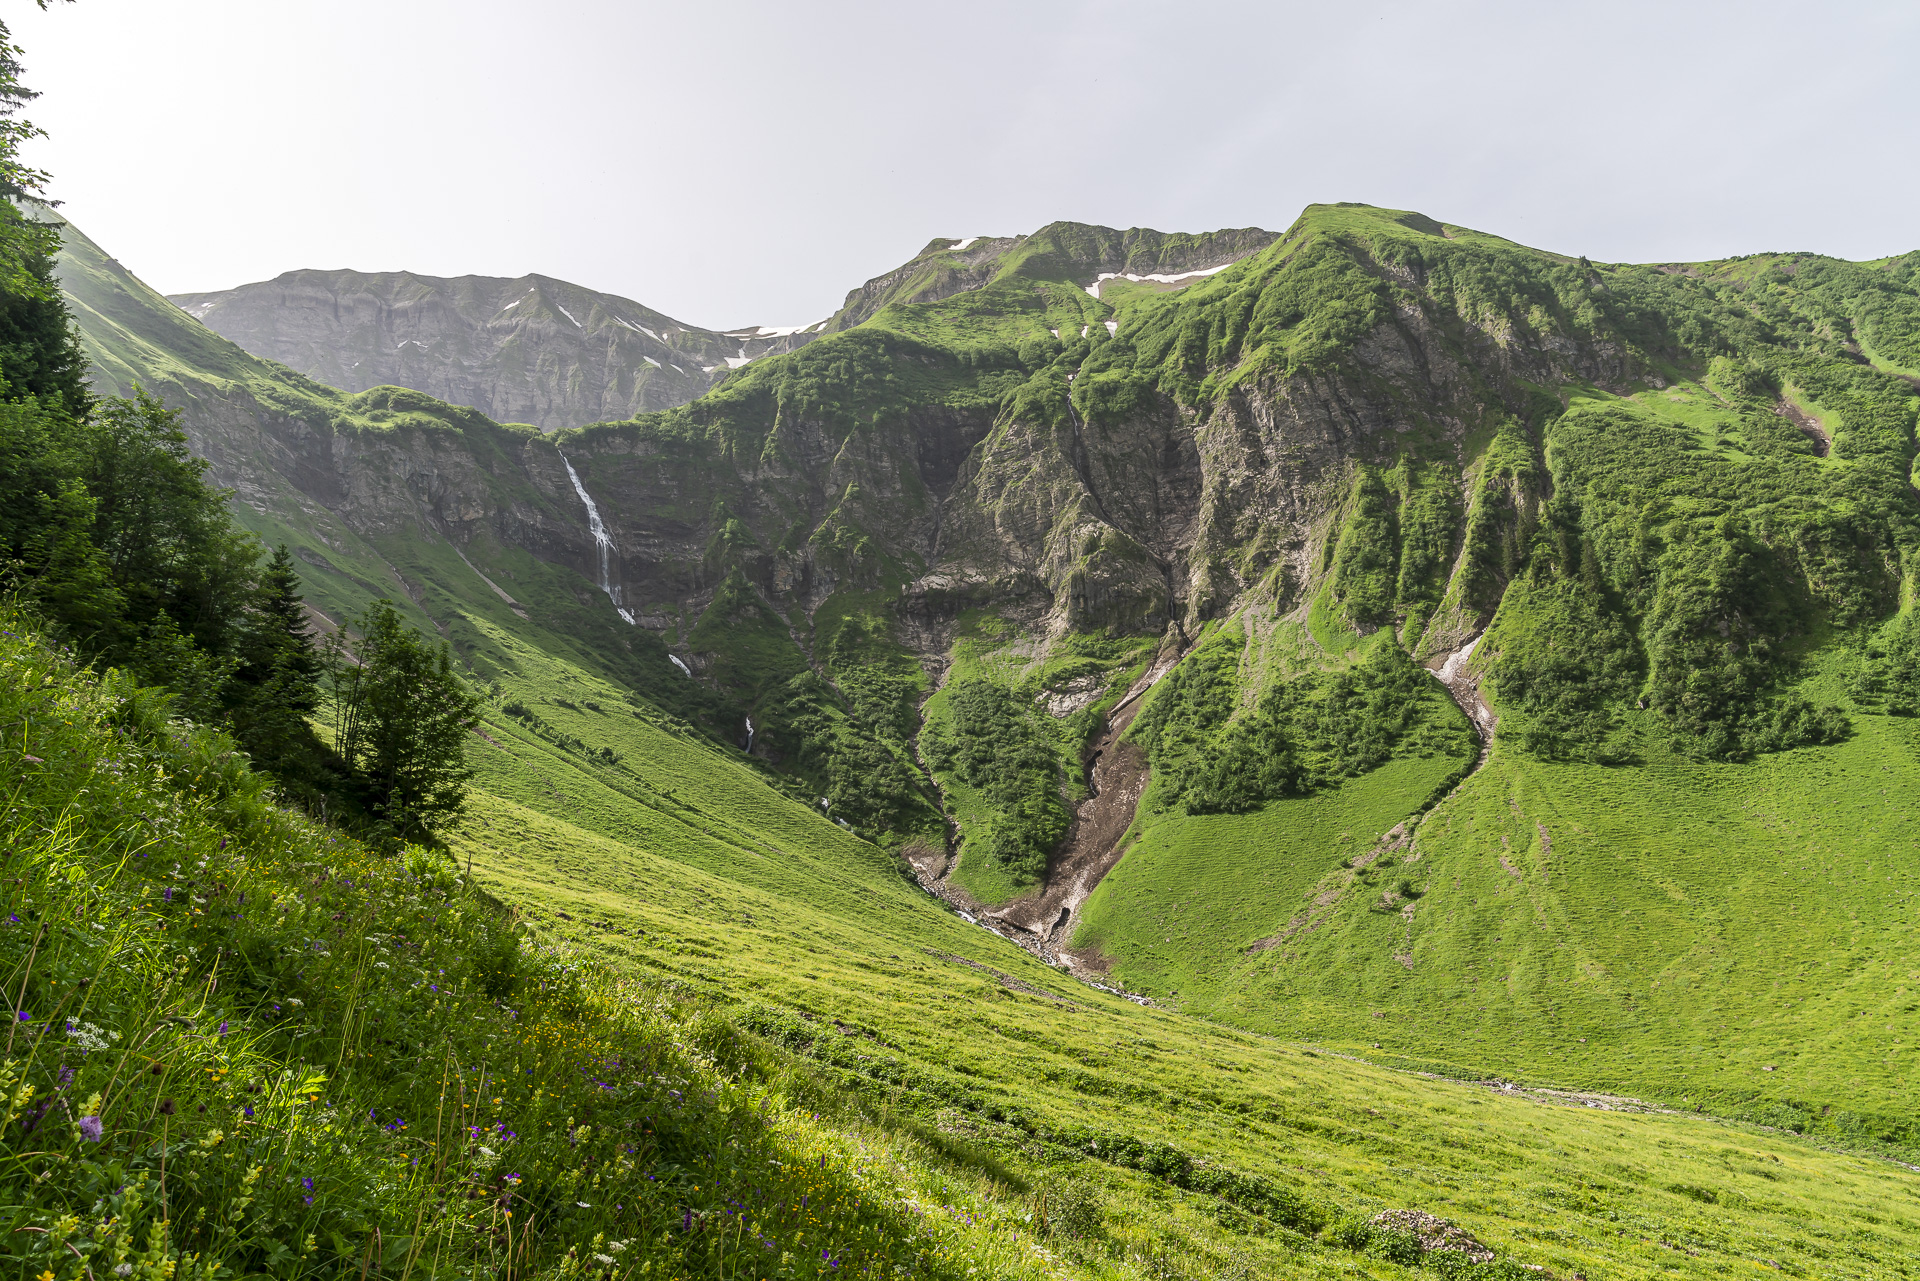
(1366, 750)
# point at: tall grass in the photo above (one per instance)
(241, 1044)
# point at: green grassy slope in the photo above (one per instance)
(1715, 900)
(1036, 1076)
(751, 905)
(353, 1066)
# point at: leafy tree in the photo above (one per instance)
(401, 717)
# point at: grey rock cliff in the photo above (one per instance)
(531, 350)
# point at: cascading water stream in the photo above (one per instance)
(600, 537)
(749, 735)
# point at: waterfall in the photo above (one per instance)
(600, 537)
(749, 735)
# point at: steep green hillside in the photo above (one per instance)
(246, 1044)
(1656, 523)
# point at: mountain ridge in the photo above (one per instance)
(928, 553)
(524, 349)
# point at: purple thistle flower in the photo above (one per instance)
(90, 1129)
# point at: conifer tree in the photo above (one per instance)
(401, 717)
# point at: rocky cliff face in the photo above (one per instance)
(1120, 470)
(533, 350)
(1348, 428)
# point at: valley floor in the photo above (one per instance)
(679, 867)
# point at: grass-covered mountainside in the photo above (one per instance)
(533, 349)
(720, 1041)
(1105, 604)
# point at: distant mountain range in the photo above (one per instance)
(532, 349)
(556, 354)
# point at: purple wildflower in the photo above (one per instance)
(223, 1027)
(90, 1129)
(25, 1017)
(686, 1221)
(167, 894)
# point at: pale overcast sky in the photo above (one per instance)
(750, 163)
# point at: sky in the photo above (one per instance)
(750, 163)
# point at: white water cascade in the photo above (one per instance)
(601, 537)
(749, 735)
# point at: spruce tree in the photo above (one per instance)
(401, 719)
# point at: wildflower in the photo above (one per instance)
(223, 1027)
(25, 1017)
(90, 1129)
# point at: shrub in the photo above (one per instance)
(1069, 1207)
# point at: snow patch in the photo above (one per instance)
(1157, 277)
(569, 316)
(1113, 326)
(962, 246)
(783, 331)
(734, 362)
(651, 361)
(679, 370)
